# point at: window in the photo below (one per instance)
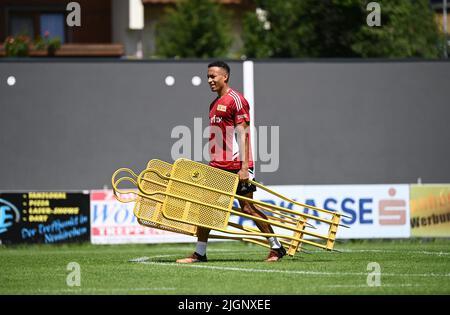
(34, 23)
(53, 23)
(21, 24)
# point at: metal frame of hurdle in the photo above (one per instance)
(188, 194)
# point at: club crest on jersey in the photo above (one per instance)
(221, 108)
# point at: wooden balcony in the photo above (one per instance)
(78, 50)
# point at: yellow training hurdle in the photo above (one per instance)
(186, 195)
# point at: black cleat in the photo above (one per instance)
(276, 254)
(194, 258)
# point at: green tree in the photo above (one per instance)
(409, 29)
(194, 29)
(338, 28)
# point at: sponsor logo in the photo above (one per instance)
(8, 215)
(244, 116)
(392, 211)
(216, 119)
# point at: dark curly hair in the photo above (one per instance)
(222, 65)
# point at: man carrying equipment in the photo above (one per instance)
(229, 116)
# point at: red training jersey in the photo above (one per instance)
(224, 114)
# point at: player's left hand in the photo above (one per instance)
(243, 175)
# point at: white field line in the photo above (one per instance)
(146, 258)
(300, 272)
(321, 251)
(385, 251)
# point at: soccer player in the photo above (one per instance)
(230, 111)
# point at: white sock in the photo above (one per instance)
(274, 243)
(201, 248)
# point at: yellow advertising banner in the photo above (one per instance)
(430, 210)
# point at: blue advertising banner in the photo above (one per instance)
(44, 217)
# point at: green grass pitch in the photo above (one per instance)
(406, 267)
